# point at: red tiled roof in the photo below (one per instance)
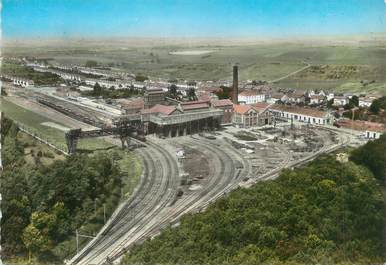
(298, 110)
(221, 103)
(167, 110)
(260, 106)
(195, 106)
(241, 109)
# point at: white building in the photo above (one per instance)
(306, 115)
(251, 97)
(373, 134)
(330, 96)
(317, 99)
(340, 100)
(366, 101)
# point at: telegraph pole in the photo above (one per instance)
(77, 239)
(104, 213)
(1, 169)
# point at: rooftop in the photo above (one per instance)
(221, 103)
(298, 110)
(167, 110)
(248, 93)
(242, 109)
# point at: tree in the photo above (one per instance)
(35, 240)
(378, 104)
(91, 64)
(373, 156)
(324, 209)
(97, 89)
(224, 92)
(172, 91)
(141, 78)
(191, 94)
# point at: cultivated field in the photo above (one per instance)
(340, 67)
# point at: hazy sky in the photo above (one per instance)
(190, 18)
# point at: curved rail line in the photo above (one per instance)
(155, 194)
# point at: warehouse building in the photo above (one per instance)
(306, 115)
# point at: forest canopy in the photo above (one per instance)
(43, 205)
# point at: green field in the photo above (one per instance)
(34, 122)
(256, 61)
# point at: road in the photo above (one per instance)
(290, 74)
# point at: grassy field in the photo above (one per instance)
(34, 122)
(256, 61)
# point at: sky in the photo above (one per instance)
(190, 18)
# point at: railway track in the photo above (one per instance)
(151, 205)
(191, 202)
(156, 191)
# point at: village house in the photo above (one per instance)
(340, 100)
(317, 99)
(278, 97)
(251, 97)
(366, 101)
(297, 97)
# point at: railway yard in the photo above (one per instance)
(172, 186)
(185, 174)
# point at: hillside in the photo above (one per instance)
(47, 196)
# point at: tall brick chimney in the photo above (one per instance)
(235, 90)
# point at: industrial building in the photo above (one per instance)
(306, 115)
(183, 119)
(154, 96)
(246, 116)
(227, 106)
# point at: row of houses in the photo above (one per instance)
(17, 81)
(258, 95)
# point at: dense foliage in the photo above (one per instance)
(378, 105)
(373, 156)
(325, 212)
(43, 205)
(224, 92)
(26, 72)
(91, 63)
(113, 92)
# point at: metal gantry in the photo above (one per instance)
(124, 128)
